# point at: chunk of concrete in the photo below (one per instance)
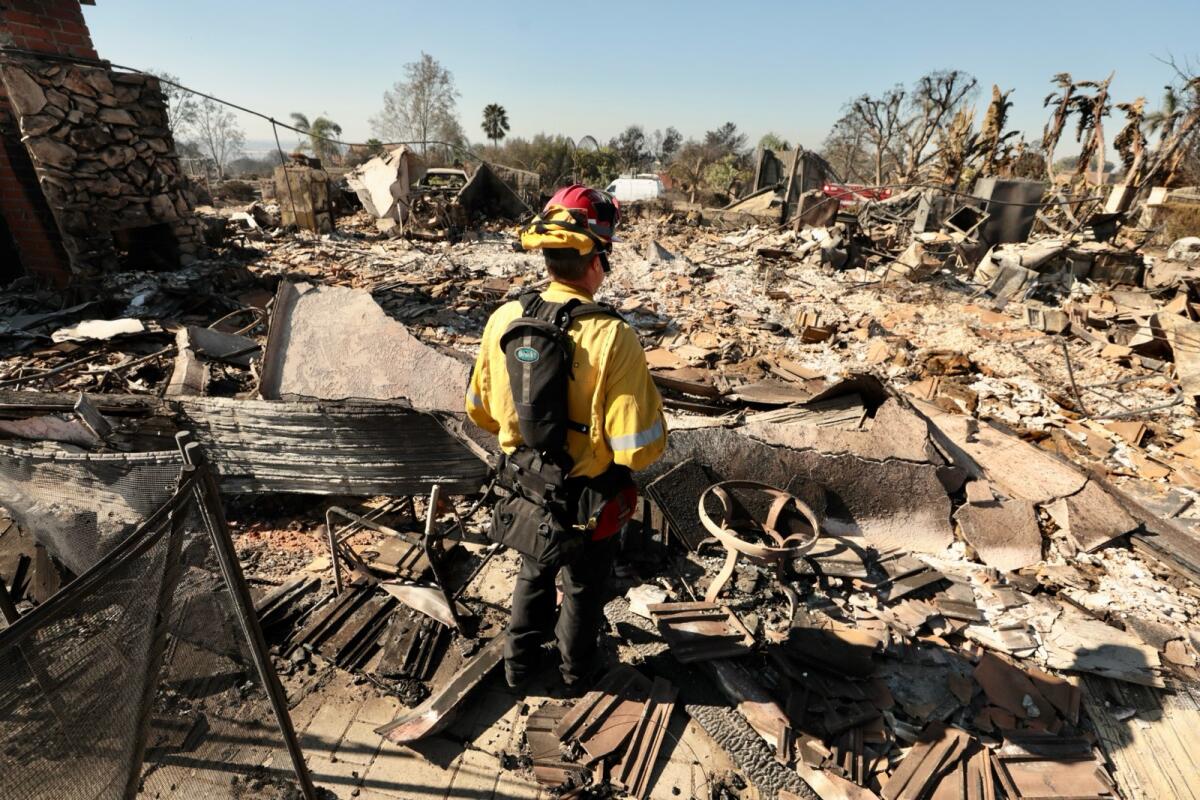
(894, 432)
(1015, 467)
(1091, 518)
(1185, 249)
(1183, 336)
(1004, 532)
(1077, 642)
(336, 343)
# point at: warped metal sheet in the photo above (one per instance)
(432, 715)
(328, 447)
(360, 447)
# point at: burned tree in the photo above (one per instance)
(1089, 131)
(420, 107)
(961, 152)
(1178, 151)
(1054, 128)
(844, 148)
(218, 133)
(934, 101)
(1131, 141)
(992, 144)
(690, 165)
(880, 120)
(954, 148)
(901, 126)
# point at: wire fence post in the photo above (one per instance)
(286, 175)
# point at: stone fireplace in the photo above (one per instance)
(105, 160)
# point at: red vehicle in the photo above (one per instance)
(848, 194)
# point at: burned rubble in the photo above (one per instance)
(926, 526)
(946, 534)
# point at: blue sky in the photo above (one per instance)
(593, 68)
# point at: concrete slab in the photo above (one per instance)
(1004, 532)
(891, 503)
(337, 343)
(339, 777)
(894, 432)
(378, 710)
(476, 777)
(1016, 467)
(322, 735)
(359, 744)
(1091, 518)
(398, 772)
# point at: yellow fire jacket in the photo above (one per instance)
(611, 391)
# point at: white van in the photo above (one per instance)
(640, 187)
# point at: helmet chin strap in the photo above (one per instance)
(604, 262)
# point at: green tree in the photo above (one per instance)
(596, 167)
(319, 132)
(723, 175)
(495, 122)
(774, 142)
(1163, 120)
(726, 139)
(670, 143)
(630, 148)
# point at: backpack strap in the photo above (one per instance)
(586, 309)
(557, 314)
(563, 314)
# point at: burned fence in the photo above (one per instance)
(146, 675)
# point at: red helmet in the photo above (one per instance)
(598, 210)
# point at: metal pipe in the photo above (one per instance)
(333, 556)
(7, 607)
(356, 521)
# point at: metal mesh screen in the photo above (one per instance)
(212, 731)
(76, 673)
(99, 698)
(79, 506)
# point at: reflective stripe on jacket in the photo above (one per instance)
(611, 391)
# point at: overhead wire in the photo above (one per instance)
(111, 65)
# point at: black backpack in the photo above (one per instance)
(538, 354)
(538, 513)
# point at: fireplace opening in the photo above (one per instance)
(152, 248)
(10, 259)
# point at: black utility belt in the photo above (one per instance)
(545, 515)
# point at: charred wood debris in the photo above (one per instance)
(927, 522)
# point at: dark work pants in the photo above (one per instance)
(579, 619)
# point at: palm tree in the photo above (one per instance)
(1165, 118)
(319, 132)
(495, 122)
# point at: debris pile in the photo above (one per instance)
(926, 525)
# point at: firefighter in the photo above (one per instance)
(612, 421)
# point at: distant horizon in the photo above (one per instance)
(692, 69)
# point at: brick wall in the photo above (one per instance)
(45, 26)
